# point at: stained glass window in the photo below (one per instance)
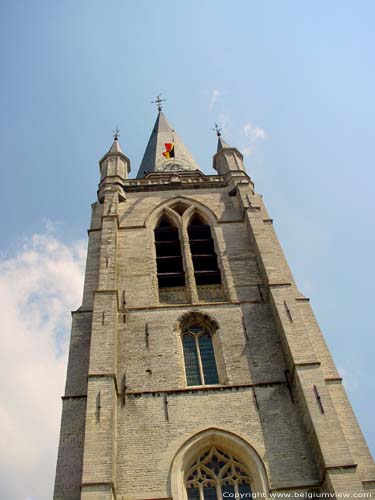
(200, 363)
(193, 494)
(215, 473)
(193, 376)
(206, 351)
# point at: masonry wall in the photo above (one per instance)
(269, 350)
(148, 439)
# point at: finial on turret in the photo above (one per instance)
(116, 134)
(158, 102)
(217, 130)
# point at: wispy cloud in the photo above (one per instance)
(39, 286)
(214, 97)
(253, 134)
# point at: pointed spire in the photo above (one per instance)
(115, 148)
(221, 144)
(114, 164)
(162, 137)
(227, 158)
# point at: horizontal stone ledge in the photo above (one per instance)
(268, 221)
(81, 311)
(218, 388)
(302, 299)
(182, 185)
(102, 375)
(97, 483)
(138, 226)
(195, 305)
(333, 380)
(253, 208)
(337, 468)
(307, 364)
(279, 285)
(74, 396)
(368, 483)
(93, 230)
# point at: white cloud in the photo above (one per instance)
(253, 133)
(39, 286)
(214, 97)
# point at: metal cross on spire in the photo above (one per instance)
(116, 134)
(217, 130)
(158, 102)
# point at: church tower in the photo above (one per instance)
(197, 370)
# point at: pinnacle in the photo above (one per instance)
(221, 144)
(115, 148)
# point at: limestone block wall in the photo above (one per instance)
(269, 350)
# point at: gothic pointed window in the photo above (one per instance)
(206, 270)
(199, 356)
(168, 255)
(216, 475)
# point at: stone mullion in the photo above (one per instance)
(197, 348)
(189, 268)
(226, 274)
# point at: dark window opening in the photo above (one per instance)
(206, 270)
(168, 255)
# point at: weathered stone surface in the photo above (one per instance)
(279, 390)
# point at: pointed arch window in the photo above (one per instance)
(216, 475)
(206, 270)
(170, 269)
(199, 356)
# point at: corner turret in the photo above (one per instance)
(114, 169)
(227, 159)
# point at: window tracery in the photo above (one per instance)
(186, 260)
(215, 473)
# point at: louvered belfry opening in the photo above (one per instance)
(206, 270)
(171, 275)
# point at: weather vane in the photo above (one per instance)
(116, 134)
(217, 130)
(158, 102)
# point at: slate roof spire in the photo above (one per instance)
(153, 159)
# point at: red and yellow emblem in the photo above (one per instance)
(169, 150)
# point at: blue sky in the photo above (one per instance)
(290, 82)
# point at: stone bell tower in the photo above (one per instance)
(196, 367)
